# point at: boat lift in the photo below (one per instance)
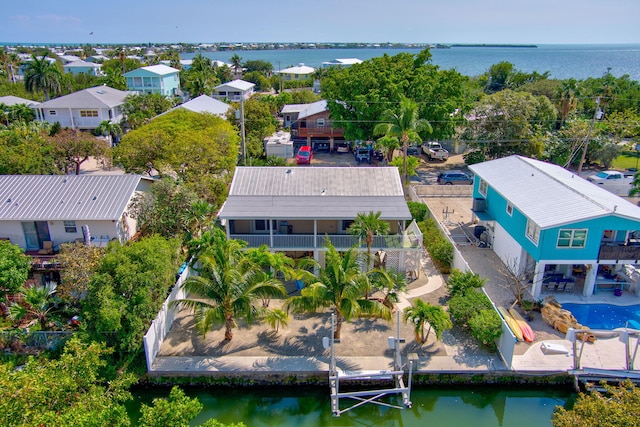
(368, 396)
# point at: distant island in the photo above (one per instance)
(495, 45)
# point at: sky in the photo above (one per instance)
(369, 21)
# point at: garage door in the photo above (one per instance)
(509, 251)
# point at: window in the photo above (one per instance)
(88, 113)
(533, 231)
(262, 224)
(568, 238)
(70, 227)
(346, 223)
(509, 209)
(320, 123)
(52, 112)
(482, 187)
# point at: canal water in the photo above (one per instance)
(310, 407)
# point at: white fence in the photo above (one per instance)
(444, 190)
(162, 324)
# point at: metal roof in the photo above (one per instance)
(14, 100)
(95, 97)
(299, 69)
(206, 104)
(294, 108)
(237, 84)
(315, 193)
(65, 197)
(550, 195)
(160, 70)
(313, 108)
(81, 64)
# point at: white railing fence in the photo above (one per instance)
(162, 324)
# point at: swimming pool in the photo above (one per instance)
(605, 316)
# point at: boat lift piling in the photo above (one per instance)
(368, 396)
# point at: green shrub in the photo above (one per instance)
(474, 157)
(461, 283)
(486, 326)
(464, 306)
(419, 211)
(439, 247)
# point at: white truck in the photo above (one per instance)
(435, 151)
(616, 182)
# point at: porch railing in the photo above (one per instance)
(339, 241)
(610, 251)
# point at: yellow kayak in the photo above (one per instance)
(513, 324)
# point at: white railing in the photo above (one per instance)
(162, 324)
(340, 241)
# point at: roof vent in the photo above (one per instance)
(288, 171)
(100, 91)
(9, 200)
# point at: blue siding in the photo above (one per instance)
(516, 225)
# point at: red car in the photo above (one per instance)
(304, 156)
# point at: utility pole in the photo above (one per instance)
(596, 114)
(244, 143)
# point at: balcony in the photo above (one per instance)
(339, 241)
(617, 252)
(326, 131)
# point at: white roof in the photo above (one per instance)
(313, 108)
(206, 104)
(159, 69)
(81, 64)
(299, 69)
(66, 197)
(550, 195)
(294, 108)
(14, 100)
(69, 58)
(236, 84)
(95, 97)
(271, 192)
(344, 61)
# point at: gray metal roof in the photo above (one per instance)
(313, 108)
(65, 197)
(14, 100)
(550, 195)
(315, 193)
(95, 97)
(205, 104)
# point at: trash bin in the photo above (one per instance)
(478, 230)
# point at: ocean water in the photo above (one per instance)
(561, 61)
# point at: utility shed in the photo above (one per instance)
(280, 145)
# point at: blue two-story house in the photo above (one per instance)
(160, 79)
(560, 231)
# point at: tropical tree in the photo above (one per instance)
(390, 282)
(403, 124)
(78, 263)
(340, 286)
(42, 75)
(275, 265)
(110, 129)
(71, 148)
(423, 314)
(567, 94)
(9, 63)
(366, 226)
(37, 303)
(227, 285)
(14, 268)
(236, 63)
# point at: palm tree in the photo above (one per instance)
(40, 74)
(110, 129)
(37, 303)
(567, 97)
(274, 265)
(9, 63)
(404, 125)
(339, 286)
(423, 313)
(236, 63)
(366, 226)
(391, 282)
(227, 286)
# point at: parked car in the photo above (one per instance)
(455, 178)
(378, 155)
(435, 151)
(321, 147)
(342, 147)
(304, 156)
(413, 150)
(363, 154)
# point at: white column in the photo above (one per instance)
(538, 277)
(590, 279)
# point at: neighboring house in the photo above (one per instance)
(559, 229)
(314, 128)
(10, 100)
(299, 72)
(290, 113)
(99, 59)
(154, 79)
(205, 104)
(341, 62)
(294, 209)
(67, 59)
(66, 208)
(77, 67)
(234, 90)
(84, 109)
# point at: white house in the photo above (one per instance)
(341, 62)
(65, 208)
(84, 109)
(234, 90)
(205, 104)
(299, 72)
